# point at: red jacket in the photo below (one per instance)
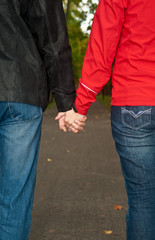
(123, 30)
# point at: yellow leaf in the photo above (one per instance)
(118, 207)
(108, 232)
(51, 231)
(49, 160)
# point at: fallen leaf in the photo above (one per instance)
(97, 117)
(51, 231)
(53, 138)
(49, 160)
(68, 150)
(108, 232)
(64, 236)
(118, 207)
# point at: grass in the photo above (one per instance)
(51, 104)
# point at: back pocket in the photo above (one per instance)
(136, 117)
(23, 111)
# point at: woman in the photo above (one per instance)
(124, 30)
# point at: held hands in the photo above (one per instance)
(71, 120)
(75, 121)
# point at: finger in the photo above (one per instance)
(62, 126)
(77, 127)
(74, 130)
(82, 124)
(67, 125)
(83, 119)
(58, 116)
(61, 114)
(64, 129)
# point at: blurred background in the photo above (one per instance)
(79, 17)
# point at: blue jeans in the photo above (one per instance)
(20, 130)
(133, 129)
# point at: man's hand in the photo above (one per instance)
(74, 121)
(61, 118)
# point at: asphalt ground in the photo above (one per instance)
(79, 181)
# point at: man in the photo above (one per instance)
(35, 58)
(124, 30)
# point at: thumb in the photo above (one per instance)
(60, 114)
(85, 118)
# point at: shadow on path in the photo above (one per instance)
(78, 182)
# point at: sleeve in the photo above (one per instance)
(101, 50)
(46, 21)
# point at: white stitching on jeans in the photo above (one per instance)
(136, 115)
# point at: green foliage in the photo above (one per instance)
(78, 51)
(77, 12)
(92, 8)
(51, 104)
(78, 39)
(105, 100)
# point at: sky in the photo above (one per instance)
(89, 17)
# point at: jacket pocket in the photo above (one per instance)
(136, 117)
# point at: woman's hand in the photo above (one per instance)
(71, 120)
(74, 121)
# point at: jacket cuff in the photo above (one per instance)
(80, 110)
(64, 101)
(74, 108)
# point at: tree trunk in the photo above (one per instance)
(67, 9)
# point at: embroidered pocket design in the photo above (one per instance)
(136, 119)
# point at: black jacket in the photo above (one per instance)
(35, 55)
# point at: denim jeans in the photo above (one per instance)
(20, 130)
(133, 129)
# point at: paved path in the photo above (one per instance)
(78, 182)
